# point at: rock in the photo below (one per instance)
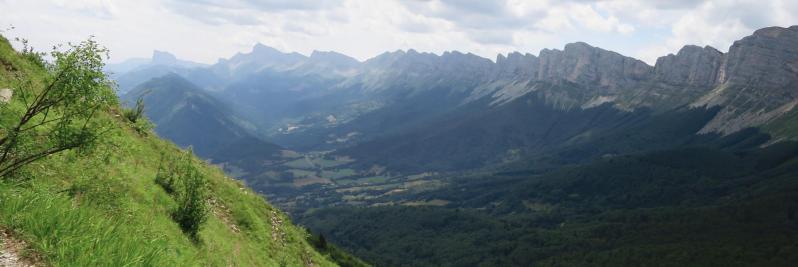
(5, 95)
(517, 65)
(758, 80)
(768, 58)
(693, 66)
(591, 66)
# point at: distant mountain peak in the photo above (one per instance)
(163, 58)
(576, 45)
(775, 31)
(328, 55)
(261, 48)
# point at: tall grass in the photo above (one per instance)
(69, 235)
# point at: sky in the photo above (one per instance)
(206, 30)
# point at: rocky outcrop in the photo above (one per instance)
(416, 71)
(758, 80)
(597, 75)
(517, 65)
(592, 67)
(5, 95)
(692, 66)
(768, 59)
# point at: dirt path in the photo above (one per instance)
(10, 251)
(278, 235)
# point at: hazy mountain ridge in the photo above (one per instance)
(189, 116)
(514, 144)
(331, 101)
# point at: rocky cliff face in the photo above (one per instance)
(758, 80)
(768, 58)
(693, 66)
(413, 71)
(591, 67)
(755, 82)
(516, 65)
(595, 76)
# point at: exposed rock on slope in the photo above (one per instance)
(755, 82)
(592, 67)
(693, 65)
(758, 80)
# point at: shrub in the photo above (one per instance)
(135, 116)
(189, 187)
(62, 113)
(193, 209)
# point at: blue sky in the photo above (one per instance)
(206, 30)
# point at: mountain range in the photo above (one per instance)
(510, 141)
(331, 101)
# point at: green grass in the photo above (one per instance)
(372, 179)
(346, 181)
(314, 162)
(301, 163)
(327, 163)
(302, 173)
(103, 208)
(64, 233)
(785, 126)
(337, 173)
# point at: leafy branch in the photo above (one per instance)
(63, 114)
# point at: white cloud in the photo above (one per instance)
(205, 30)
(720, 23)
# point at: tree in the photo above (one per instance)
(322, 242)
(62, 111)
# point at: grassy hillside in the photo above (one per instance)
(101, 207)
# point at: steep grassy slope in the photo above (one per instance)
(102, 208)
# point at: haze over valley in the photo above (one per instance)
(343, 133)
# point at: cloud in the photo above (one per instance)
(205, 30)
(265, 5)
(720, 23)
(484, 21)
(244, 12)
(92, 8)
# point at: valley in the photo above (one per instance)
(398, 133)
(576, 156)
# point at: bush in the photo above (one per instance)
(60, 114)
(183, 180)
(135, 116)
